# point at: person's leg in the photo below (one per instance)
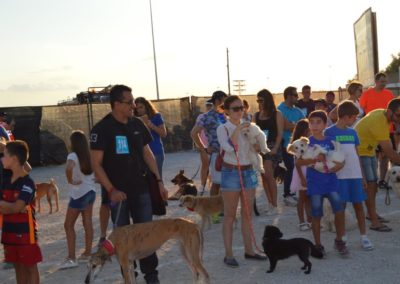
(69, 227)
(231, 200)
(316, 213)
(359, 211)
(289, 164)
(20, 274)
(337, 208)
(215, 175)
(301, 205)
(104, 213)
(383, 166)
(33, 274)
(246, 214)
(205, 160)
(88, 227)
(271, 188)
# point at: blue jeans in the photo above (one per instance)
(369, 166)
(317, 203)
(139, 209)
(160, 162)
(288, 160)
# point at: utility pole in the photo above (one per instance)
(154, 50)
(239, 86)
(227, 66)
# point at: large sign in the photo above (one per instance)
(365, 37)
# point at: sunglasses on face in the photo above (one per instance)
(260, 101)
(238, 108)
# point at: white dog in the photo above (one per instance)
(301, 149)
(328, 219)
(255, 135)
(393, 179)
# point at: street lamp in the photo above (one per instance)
(154, 50)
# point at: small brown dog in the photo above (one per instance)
(134, 242)
(49, 189)
(204, 206)
(185, 184)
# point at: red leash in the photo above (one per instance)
(248, 215)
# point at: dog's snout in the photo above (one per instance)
(398, 178)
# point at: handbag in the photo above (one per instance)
(157, 203)
(220, 157)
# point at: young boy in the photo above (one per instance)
(19, 234)
(350, 177)
(323, 185)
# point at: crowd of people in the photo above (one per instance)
(125, 147)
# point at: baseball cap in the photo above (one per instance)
(217, 95)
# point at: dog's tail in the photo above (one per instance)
(314, 252)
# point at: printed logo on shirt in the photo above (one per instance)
(93, 137)
(27, 189)
(121, 145)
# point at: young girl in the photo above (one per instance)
(82, 194)
(299, 181)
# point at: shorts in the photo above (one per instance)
(105, 199)
(351, 190)
(82, 202)
(215, 175)
(317, 201)
(369, 166)
(230, 180)
(23, 254)
(277, 158)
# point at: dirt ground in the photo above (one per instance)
(380, 265)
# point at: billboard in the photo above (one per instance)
(365, 37)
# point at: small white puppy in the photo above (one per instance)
(328, 219)
(393, 179)
(301, 149)
(255, 135)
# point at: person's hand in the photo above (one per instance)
(257, 147)
(303, 182)
(321, 158)
(338, 166)
(273, 151)
(243, 125)
(163, 191)
(144, 118)
(210, 149)
(365, 184)
(117, 196)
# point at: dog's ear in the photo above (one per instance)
(304, 139)
(181, 172)
(290, 148)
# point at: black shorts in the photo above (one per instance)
(104, 197)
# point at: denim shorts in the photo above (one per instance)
(317, 201)
(83, 202)
(370, 167)
(215, 175)
(230, 180)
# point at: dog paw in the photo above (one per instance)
(303, 268)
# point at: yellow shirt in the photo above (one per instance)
(371, 129)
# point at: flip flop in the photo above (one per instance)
(380, 219)
(382, 228)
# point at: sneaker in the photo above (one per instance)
(68, 263)
(272, 211)
(304, 226)
(293, 195)
(366, 244)
(340, 247)
(290, 201)
(231, 262)
(84, 258)
(321, 249)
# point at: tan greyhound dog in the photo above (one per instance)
(134, 242)
(49, 189)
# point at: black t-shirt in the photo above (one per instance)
(122, 145)
(306, 107)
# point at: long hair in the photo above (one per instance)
(269, 104)
(300, 130)
(150, 108)
(80, 145)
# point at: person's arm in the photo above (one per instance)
(389, 152)
(97, 164)
(301, 176)
(195, 134)
(11, 207)
(68, 173)
(333, 115)
(157, 125)
(287, 125)
(305, 162)
(150, 161)
(279, 136)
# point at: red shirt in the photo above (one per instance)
(372, 100)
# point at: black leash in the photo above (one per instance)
(387, 195)
(118, 213)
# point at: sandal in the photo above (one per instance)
(382, 228)
(380, 219)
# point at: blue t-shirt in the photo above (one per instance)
(293, 115)
(156, 144)
(317, 182)
(210, 122)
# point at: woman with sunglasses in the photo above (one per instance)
(233, 185)
(270, 120)
(355, 90)
(146, 111)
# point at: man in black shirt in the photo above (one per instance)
(306, 104)
(120, 155)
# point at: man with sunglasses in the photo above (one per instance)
(120, 155)
(291, 115)
(373, 130)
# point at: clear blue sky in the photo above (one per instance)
(53, 49)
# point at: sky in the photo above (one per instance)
(53, 49)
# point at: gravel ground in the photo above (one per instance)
(379, 265)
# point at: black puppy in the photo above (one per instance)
(276, 248)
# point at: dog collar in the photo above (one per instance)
(109, 247)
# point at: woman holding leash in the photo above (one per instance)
(233, 186)
(82, 192)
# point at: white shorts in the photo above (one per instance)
(215, 175)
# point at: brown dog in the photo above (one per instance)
(204, 206)
(49, 189)
(185, 184)
(134, 242)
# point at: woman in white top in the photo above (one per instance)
(355, 90)
(229, 134)
(82, 192)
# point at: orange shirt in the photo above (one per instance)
(371, 99)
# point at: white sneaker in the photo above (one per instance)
(366, 244)
(304, 226)
(68, 263)
(290, 201)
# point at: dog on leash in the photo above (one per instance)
(49, 189)
(301, 149)
(186, 186)
(277, 249)
(393, 179)
(255, 135)
(205, 206)
(328, 219)
(134, 242)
